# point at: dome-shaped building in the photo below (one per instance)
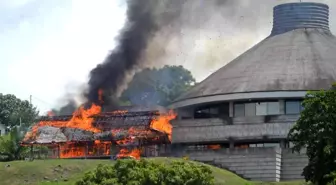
(248, 106)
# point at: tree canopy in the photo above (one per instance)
(13, 108)
(158, 86)
(315, 130)
(146, 172)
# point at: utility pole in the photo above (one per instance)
(30, 99)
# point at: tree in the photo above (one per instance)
(315, 130)
(158, 86)
(146, 172)
(12, 109)
(10, 148)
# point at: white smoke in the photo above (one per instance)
(208, 35)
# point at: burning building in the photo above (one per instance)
(91, 133)
(238, 118)
(248, 106)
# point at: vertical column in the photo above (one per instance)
(231, 144)
(39, 151)
(282, 106)
(159, 150)
(282, 144)
(59, 151)
(31, 152)
(231, 109)
(86, 150)
(111, 151)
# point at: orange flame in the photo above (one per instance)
(135, 153)
(50, 113)
(214, 147)
(82, 119)
(71, 149)
(162, 123)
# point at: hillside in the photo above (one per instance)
(66, 172)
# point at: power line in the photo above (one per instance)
(40, 100)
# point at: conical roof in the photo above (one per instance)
(300, 54)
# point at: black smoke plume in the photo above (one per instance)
(145, 19)
(138, 30)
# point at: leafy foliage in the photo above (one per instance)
(315, 130)
(10, 148)
(145, 172)
(12, 109)
(158, 86)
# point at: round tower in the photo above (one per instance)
(299, 55)
(254, 100)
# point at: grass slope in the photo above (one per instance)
(66, 172)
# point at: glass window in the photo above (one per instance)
(250, 109)
(214, 111)
(272, 145)
(261, 108)
(260, 145)
(206, 112)
(253, 145)
(239, 110)
(273, 108)
(293, 107)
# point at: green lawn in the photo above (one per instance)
(66, 172)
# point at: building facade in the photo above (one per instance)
(247, 107)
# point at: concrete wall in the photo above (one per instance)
(259, 164)
(216, 129)
(227, 132)
(292, 165)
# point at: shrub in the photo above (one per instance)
(10, 148)
(146, 172)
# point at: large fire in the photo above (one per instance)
(83, 119)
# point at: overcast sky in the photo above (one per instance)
(48, 45)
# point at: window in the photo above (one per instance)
(272, 145)
(264, 145)
(250, 109)
(207, 112)
(293, 107)
(273, 108)
(239, 110)
(253, 145)
(261, 108)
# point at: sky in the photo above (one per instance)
(46, 47)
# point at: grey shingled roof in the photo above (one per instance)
(302, 59)
(300, 54)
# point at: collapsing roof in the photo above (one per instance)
(49, 135)
(114, 126)
(300, 54)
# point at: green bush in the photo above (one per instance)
(146, 172)
(10, 148)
